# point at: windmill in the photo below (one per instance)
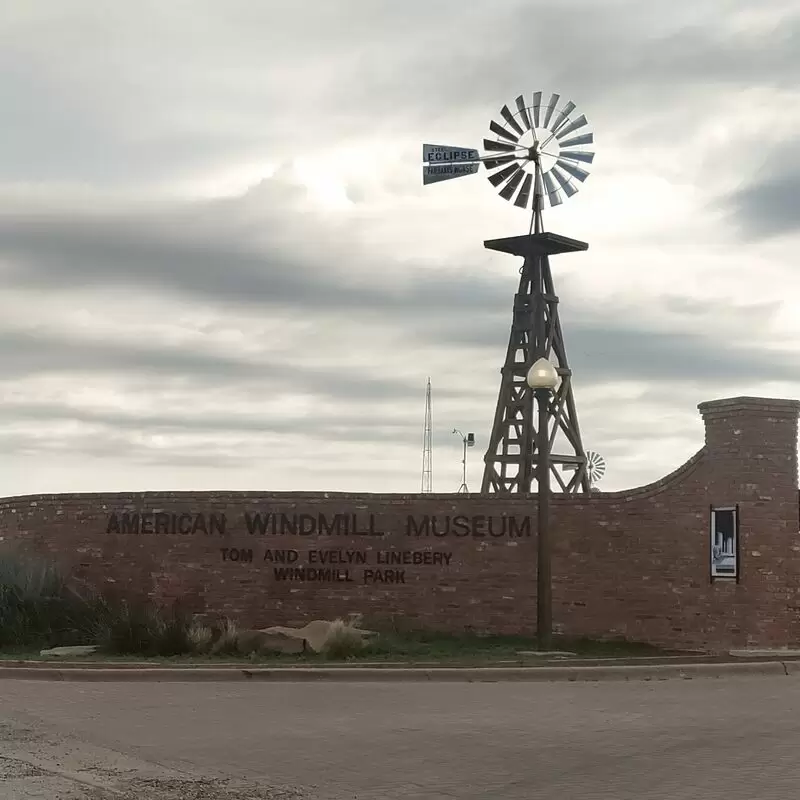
(595, 467)
(538, 155)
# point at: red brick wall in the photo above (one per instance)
(632, 563)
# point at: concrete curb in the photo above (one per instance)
(649, 672)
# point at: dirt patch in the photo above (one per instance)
(11, 769)
(177, 789)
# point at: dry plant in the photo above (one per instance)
(201, 637)
(227, 643)
(344, 640)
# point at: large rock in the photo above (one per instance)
(77, 651)
(265, 642)
(317, 632)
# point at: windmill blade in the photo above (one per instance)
(576, 172)
(494, 163)
(498, 147)
(537, 105)
(562, 116)
(555, 199)
(549, 183)
(563, 182)
(523, 112)
(573, 126)
(552, 190)
(525, 192)
(505, 111)
(499, 177)
(502, 132)
(508, 190)
(577, 155)
(584, 138)
(551, 107)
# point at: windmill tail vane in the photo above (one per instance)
(537, 155)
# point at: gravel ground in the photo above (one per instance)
(35, 766)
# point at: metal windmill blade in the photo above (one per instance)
(563, 182)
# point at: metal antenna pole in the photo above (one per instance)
(427, 443)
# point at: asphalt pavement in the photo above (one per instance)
(735, 738)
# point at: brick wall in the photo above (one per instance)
(632, 563)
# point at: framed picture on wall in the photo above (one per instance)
(724, 548)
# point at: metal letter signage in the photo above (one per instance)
(442, 162)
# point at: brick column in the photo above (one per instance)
(751, 444)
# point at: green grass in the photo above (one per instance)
(429, 646)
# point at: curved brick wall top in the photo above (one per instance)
(120, 499)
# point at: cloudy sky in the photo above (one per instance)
(220, 269)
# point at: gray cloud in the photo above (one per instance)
(24, 355)
(766, 203)
(768, 206)
(622, 344)
(211, 251)
(129, 95)
(338, 426)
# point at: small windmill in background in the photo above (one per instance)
(595, 468)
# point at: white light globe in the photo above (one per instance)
(543, 375)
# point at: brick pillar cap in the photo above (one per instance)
(764, 405)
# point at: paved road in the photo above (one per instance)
(671, 740)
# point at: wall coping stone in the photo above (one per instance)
(765, 405)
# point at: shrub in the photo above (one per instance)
(139, 629)
(201, 637)
(38, 609)
(344, 640)
(227, 642)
